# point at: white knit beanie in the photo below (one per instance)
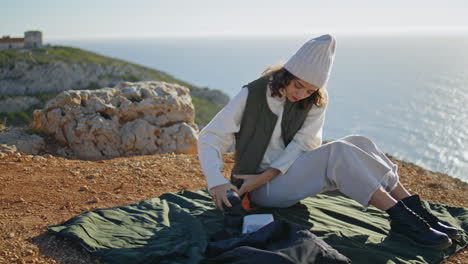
(313, 61)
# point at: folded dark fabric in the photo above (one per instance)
(279, 242)
(179, 227)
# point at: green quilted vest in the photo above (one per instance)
(257, 125)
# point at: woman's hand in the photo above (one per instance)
(218, 194)
(253, 181)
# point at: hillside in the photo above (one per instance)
(28, 78)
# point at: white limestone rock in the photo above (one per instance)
(4, 148)
(130, 119)
(17, 140)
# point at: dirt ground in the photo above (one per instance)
(37, 191)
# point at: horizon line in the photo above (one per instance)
(425, 30)
(294, 34)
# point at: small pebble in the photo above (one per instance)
(121, 186)
(38, 158)
(94, 200)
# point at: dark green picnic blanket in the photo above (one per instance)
(176, 228)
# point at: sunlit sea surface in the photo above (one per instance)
(408, 93)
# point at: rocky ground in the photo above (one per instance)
(37, 191)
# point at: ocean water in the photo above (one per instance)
(407, 93)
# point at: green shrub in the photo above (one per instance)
(204, 110)
(131, 77)
(92, 86)
(3, 124)
(6, 96)
(15, 118)
(44, 96)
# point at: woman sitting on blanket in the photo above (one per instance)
(276, 122)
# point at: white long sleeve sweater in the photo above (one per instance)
(216, 137)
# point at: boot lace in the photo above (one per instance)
(428, 216)
(419, 218)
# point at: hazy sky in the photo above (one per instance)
(152, 18)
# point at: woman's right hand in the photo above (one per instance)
(218, 194)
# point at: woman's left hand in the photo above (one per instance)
(253, 181)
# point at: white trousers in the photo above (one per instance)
(353, 165)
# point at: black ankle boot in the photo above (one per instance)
(414, 203)
(406, 222)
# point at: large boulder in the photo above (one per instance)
(129, 119)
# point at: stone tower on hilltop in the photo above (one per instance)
(33, 39)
